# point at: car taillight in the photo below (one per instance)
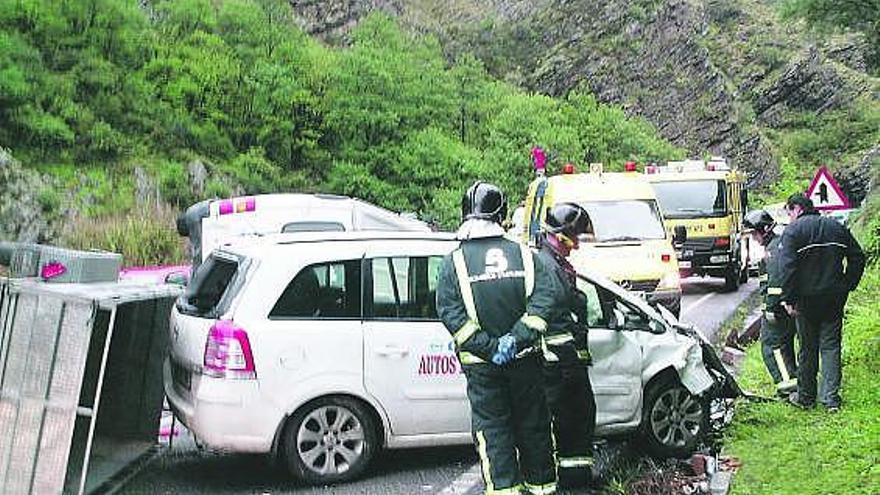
(228, 352)
(666, 258)
(722, 242)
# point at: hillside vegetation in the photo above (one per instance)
(747, 79)
(122, 106)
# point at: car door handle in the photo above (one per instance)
(392, 350)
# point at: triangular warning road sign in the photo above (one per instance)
(826, 193)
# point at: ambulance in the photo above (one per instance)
(630, 244)
(212, 223)
(708, 199)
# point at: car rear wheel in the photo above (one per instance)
(673, 421)
(330, 440)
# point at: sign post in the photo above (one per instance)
(826, 193)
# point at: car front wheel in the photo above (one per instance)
(330, 440)
(674, 421)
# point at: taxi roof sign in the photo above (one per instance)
(826, 193)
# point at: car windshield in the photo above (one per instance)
(629, 220)
(690, 199)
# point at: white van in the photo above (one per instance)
(325, 347)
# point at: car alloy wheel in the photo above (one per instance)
(676, 418)
(330, 440)
(673, 420)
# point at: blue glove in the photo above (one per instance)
(506, 350)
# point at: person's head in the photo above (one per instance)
(761, 224)
(564, 225)
(798, 204)
(483, 201)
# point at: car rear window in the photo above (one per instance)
(204, 296)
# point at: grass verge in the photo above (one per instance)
(788, 451)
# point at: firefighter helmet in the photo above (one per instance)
(568, 219)
(758, 220)
(483, 201)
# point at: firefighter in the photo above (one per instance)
(566, 381)
(777, 327)
(495, 296)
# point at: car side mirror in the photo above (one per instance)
(679, 235)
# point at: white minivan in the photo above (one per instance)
(324, 347)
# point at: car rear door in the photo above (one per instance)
(214, 285)
(410, 364)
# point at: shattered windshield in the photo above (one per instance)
(691, 199)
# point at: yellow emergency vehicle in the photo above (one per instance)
(630, 244)
(709, 199)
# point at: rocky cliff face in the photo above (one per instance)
(719, 76)
(27, 212)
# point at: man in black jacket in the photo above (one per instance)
(495, 298)
(815, 285)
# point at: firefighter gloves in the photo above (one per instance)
(506, 350)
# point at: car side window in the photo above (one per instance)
(599, 303)
(322, 291)
(403, 288)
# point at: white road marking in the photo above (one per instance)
(465, 482)
(697, 303)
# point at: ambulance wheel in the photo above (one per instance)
(731, 278)
(330, 440)
(673, 420)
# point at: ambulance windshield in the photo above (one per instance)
(691, 199)
(629, 220)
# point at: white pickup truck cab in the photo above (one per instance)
(324, 347)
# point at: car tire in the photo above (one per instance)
(330, 440)
(673, 420)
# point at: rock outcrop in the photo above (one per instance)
(28, 209)
(718, 76)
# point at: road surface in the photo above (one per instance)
(443, 471)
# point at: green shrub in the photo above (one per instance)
(867, 227)
(145, 238)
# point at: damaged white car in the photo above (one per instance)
(325, 347)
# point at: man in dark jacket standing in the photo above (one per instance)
(567, 355)
(495, 298)
(815, 285)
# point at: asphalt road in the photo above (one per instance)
(184, 469)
